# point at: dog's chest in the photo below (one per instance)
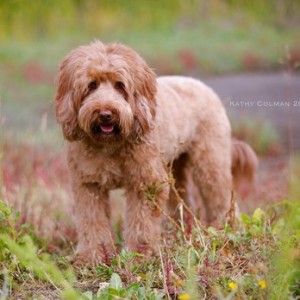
(110, 172)
(105, 171)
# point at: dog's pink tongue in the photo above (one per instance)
(107, 128)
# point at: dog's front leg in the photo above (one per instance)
(143, 217)
(92, 213)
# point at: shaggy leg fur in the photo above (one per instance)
(92, 220)
(214, 186)
(243, 166)
(143, 219)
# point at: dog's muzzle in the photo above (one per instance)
(105, 124)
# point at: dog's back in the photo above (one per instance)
(187, 108)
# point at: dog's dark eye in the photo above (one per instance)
(120, 86)
(92, 85)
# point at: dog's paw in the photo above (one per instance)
(144, 248)
(91, 258)
(81, 260)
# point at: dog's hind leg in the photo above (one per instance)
(211, 169)
(178, 189)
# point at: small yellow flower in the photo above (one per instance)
(233, 285)
(178, 282)
(184, 297)
(143, 276)
(262, 284)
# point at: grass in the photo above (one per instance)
(210, 47)
(181, 36)
(255, 257)
(228, 264)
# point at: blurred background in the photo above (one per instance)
(248, 51)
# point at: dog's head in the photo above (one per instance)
(105, 93)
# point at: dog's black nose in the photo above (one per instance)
(106, 115)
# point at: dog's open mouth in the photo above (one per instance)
(105, 129)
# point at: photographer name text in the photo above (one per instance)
(294, 103)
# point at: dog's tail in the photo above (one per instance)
(244, 163)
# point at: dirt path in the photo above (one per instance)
(274, 97)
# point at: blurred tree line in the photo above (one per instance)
(34, 19)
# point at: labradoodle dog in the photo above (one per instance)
(125, 129)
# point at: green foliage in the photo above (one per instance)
(8, 224)
(93, 16)
(116, 290)
(216, 36)
(256, 259)
(286, 262)
(20, 19)
(41, 266)
(19, 252)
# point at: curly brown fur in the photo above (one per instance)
(244, 162)
(124, 127)
(243, 167)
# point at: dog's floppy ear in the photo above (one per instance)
(143, 84)
(65, 110)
